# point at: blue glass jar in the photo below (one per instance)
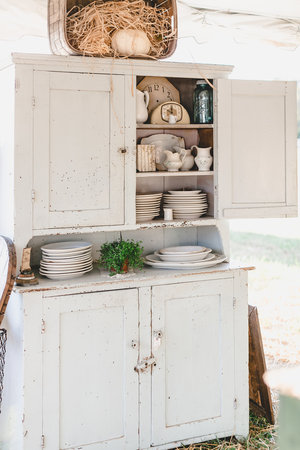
(203, 102)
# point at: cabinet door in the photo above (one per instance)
(78, 166)
(255, 131)
(90, 388)
(193, 381)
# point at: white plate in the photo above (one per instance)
(61, 267)
(149, 195)
(63, 260)
(185, 193)
(191, 265)
(65, 271)
(183, 250)
(65, 276)
(188, 217)
(167, 141)
(67, 254)
(66, 246)
(186, 258)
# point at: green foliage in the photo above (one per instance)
(115, 256)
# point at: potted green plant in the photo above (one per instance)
(118, 256)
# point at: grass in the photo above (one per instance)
(262, 435)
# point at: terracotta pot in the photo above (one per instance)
(124, 267)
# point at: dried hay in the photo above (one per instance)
(90, 28)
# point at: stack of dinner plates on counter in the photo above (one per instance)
(184, 257)
(147, 206)
(63, 260)
(186, 204)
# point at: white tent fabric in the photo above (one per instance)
(204, 25)
(260, 38)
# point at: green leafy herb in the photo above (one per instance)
(120, 255)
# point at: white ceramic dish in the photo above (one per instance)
(57, 270)
(188, 217)
(61, 267)
(149, 195)
(167, 141)
(183, 250)
(66, 246)
(66, 254)
(67, 259)
(186, 258)
(66, 276)
(157, 263)
(185, 193)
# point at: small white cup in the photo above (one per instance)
(168, 214)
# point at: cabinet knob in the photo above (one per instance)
(123, 150)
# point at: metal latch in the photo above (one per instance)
(145, 364)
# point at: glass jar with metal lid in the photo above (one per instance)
(203, 102)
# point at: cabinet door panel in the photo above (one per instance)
(90, 388)
(78, 130)
(256, 140)
(193, 381)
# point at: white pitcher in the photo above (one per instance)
(142, 102)
(186, 157)
(203, 159)
(172, 161)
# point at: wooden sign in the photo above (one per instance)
(259, 393)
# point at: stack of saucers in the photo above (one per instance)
(147, 206)
(184, 257)
(63, 260)
(186, 204)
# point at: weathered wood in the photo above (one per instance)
(8, 265)
(259, 392)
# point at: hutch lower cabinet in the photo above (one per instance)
(153, 360)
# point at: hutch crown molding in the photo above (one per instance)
(154, 359)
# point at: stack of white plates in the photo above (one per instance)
(147, 206)
(63, 260)
(186, 204)
(184, 257)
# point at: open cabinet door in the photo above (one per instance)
(256, 149)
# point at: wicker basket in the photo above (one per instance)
(57, 11)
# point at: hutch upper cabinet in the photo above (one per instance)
(75, 144)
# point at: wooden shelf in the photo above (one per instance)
(189, 173)
(149, 126)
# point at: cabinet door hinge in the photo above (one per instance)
(43, 441)
(33, 102)
(235, 403)
(33, 194)
(43, 327)
(234, 302)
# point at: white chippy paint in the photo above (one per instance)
(70, 336)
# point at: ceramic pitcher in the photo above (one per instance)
(186, 157)
(172, 161)
(142, 102)
(203, 159)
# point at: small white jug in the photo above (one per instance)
(142, 102)
(172, 161)
(203, 159)
(186, 157)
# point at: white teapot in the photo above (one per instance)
(172, 161)
(186, 157)
(203, 159)
(142, 102)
